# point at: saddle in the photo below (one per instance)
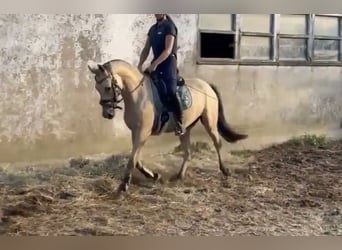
(160, 85)
(163, 120)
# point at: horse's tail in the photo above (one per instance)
(223, 127)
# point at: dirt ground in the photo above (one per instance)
(293, 188)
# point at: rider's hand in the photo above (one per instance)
(152, 68)
(140, 68)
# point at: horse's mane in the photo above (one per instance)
(146, 73)
(116, 61)
(123, 62)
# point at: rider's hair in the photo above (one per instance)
(170, 19)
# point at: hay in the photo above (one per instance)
(287, 189)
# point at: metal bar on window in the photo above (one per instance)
(216, 31)
(306, 63)
(232, 22)
(217, 60)
(329, 15)
(198, 42)
(261, 34)
(328, 37)
(307, 36)
(227, 61)
(275, 39)
(199, 46)
(294, 36)
(310, 31)
(340, 43)
(237, 35)
(256, 62)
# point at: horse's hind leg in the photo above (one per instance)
(186, 147)
(209, 122)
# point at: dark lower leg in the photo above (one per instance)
(214, 135)
(218, 146)
(177, 112)
(147, 172)
(127, 177)
(138, 142)
(186, 145)
(174, 104)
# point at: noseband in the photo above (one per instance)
(116, 92)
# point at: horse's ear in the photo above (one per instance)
(101, 67)
(93, 69)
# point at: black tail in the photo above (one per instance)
(223, 127)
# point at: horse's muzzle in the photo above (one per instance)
(108, 109)
(108, 112)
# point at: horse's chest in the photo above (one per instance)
(132, 118)
(139, 116)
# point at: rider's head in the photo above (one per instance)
(159, 17)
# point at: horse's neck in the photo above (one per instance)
(132, 80)
(130, 76)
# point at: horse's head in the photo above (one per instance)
(109, 88)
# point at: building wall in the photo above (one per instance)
(49, 107)
(266, 96)
(277, 96)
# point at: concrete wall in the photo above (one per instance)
(48, 103)
(266, 96)
(49, 107)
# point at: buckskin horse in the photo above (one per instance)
(146, 112)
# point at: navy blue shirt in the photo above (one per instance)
(157, 35)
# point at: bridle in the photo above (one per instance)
(113, 103)
(116, 90)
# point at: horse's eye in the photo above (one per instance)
(107, 89)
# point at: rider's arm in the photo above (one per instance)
(171, 33)
(169, 40)
(145, 52)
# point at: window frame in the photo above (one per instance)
(269, 34)
(203, 60)
(275, 36)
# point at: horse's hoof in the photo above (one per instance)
(176, 178)
(226, 171)
(117, 195)
(158, 178)
(123, 187)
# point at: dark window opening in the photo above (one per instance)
(214, 45)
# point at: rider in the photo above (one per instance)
(162, 37)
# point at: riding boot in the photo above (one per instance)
(177, 114)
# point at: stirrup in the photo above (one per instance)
(179, 130)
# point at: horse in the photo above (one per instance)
(147, 114)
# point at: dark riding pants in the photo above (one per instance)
(167, 72)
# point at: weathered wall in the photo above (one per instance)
(49, 107)
(279, 97)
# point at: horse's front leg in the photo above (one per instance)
(138, 141)
(148, 173)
